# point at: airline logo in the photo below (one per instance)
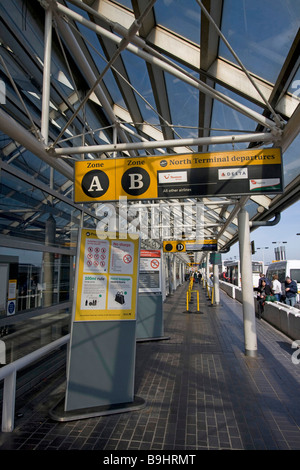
(266, 184)
(172, 177)
(233, 173)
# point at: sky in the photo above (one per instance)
(286, 230)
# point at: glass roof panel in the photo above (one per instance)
(224, 117)
(291, 159)
(125, 3)
(24, 24)
(28, 163)
(182, 19)
(98, 56)
(184, 106)
(261, 33)
(32, 165)
(139, 78)
(251, 208)
(294, 87)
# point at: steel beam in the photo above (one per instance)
(262, 137)
(165, 65)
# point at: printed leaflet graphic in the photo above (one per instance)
(107, 277)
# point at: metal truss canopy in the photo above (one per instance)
(105, 79)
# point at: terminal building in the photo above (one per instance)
(140, 141)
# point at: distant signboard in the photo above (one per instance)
(242, 172)
(184, 246)
(150, 271)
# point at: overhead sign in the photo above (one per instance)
(202, 245)
(242, 172)
(174, 246)
(184, 246)
(107, 277)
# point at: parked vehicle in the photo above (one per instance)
(233, 272)
(284, 268)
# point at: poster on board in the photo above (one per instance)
(107, 277)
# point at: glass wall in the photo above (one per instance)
(38, 239)
(42, 279)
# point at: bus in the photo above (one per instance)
(233, 272)
(284, 268)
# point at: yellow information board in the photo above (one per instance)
(107, 277)
(239, 172)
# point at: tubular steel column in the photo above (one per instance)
(247, 284)
(170, 274)
(216, 282)
(46, 76)
(48, 262)
(207, 268)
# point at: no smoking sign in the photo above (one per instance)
(154, 263)
(127, 259)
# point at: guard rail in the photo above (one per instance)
(8, 373)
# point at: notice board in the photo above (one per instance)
(107, 277)
(150, 322)
(101, 361)
(150, 271)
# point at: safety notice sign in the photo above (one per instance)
(107, 277)
(241, 172)
(150, 271)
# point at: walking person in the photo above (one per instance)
(290, 291)
(276, 287)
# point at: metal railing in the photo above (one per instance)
(8, 373)
(189, 294)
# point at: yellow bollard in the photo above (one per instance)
(208, 291)
(189, 295)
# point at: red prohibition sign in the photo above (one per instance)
(154, 263)
(127, 258)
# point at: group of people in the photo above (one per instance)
(197, 276)
(274, 291)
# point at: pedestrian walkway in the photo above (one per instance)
(201, 391)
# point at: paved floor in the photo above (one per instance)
(201, 392)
